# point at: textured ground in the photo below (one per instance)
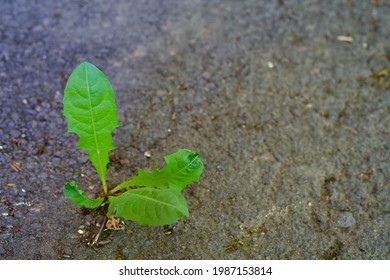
(292, 126)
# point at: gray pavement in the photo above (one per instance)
(279, 97)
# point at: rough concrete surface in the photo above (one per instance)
(287, 101)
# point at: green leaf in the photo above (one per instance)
(89, 107)
(73, 193)
(147, 206)
(183, 167)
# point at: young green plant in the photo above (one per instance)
(149, 198)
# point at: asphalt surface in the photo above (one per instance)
(287, 101)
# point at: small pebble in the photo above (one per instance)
(147, 154)
(346, 220)
(5, 236)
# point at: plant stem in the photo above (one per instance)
(95, 240)
(123, 185)
(104, 187)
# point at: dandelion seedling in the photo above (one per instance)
(150, 198)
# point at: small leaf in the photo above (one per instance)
(147, 206)
(89, 108)
(73, 193)
(183, 167)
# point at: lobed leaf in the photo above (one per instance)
(182, 168)
(89, 108)
(73, 193)
(148, 206)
